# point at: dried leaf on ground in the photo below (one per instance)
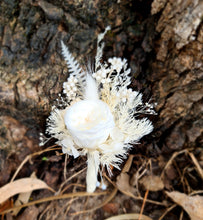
(132, 216)
(193, 205)
(23, 198)
(123, 183)
(128, 164)
(111, 208)
(21, 186)
(152, 183)
(6, 205)
(30, 213)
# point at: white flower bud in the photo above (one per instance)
(103, 81)
(72, 84)
(74, 89)
(103, 74)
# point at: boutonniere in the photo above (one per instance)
(98, 119)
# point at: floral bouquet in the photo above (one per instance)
(98, 118)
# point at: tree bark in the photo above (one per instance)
(177, 72)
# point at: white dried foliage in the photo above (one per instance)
(100, 47)
(74, 87)
(99, 117)
(91, 90)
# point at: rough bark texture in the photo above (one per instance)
(177, 72)
(162, 40)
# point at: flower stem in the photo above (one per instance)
(92, 170)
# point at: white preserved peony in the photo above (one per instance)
(89, 123)
(98, 119)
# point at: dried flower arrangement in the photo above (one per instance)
(98, 119)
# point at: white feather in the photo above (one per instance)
(91, 90)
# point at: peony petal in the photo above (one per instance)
(68, 145)
(89, 122)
